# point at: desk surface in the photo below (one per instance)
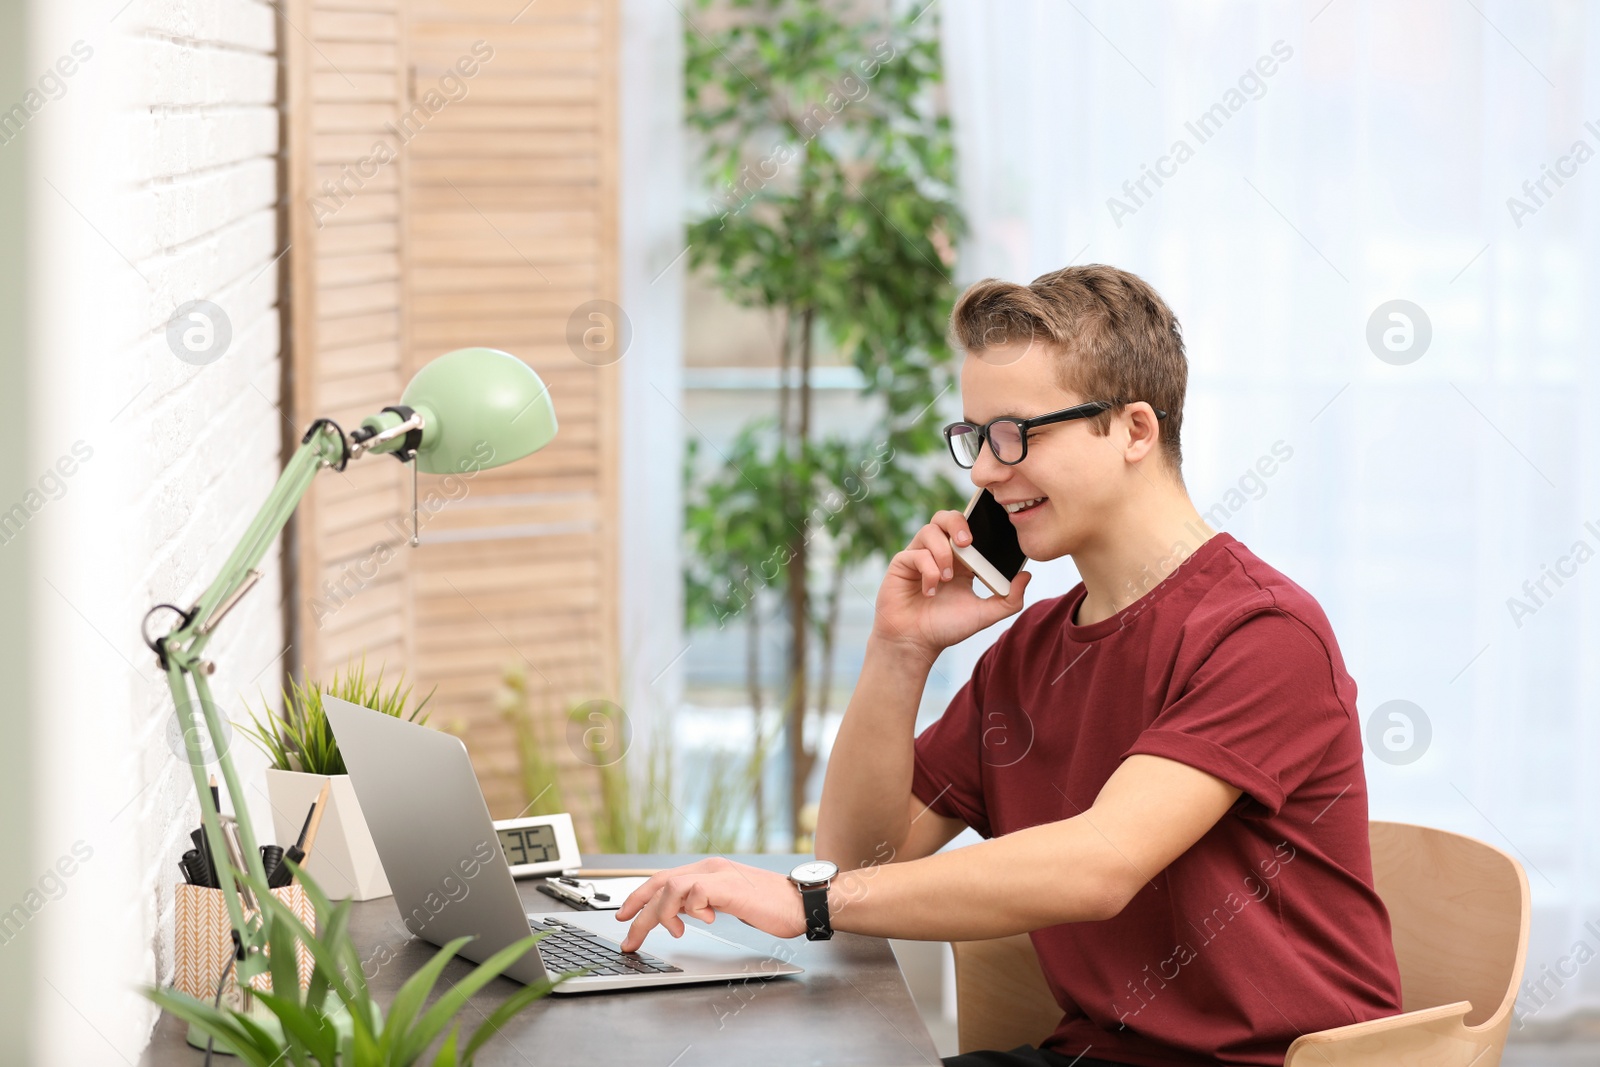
(851, 1006)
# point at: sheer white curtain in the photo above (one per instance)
(1316, 163)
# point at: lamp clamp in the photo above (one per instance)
(344, 441)
(410, 426)
(158, 645)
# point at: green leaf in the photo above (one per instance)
(308, 1032)
(255, 1046)
(302, 739)
(452, 1001)
(282, 960)
(504, 1013)
(446, 1056)
(336, 958)
(397, 1040)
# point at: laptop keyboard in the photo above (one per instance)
(569, 948)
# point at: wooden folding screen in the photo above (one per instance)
(492, 222)
(344, 80)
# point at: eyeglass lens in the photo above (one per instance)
(965, 440)
(1006, 440)
(1004, 437)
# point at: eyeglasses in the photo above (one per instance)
(1008, 435)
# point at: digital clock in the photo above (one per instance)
(538, 845)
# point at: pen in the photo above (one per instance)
(205, 867)
(191, 867)
(566, 896)
(271, 859)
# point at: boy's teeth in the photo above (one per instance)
(1014, 508)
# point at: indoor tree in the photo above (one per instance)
(835, 212)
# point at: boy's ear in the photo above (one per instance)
(1144, 429)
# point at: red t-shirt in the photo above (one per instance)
(1268, 927)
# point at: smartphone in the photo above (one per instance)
(994, 554)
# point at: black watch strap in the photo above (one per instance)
(815, 901)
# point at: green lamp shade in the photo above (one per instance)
(481, 408)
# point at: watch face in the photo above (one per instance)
(814, 871)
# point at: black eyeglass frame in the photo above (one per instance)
(1077, 411)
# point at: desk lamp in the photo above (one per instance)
(467, 410)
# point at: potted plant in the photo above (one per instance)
(334, 1021)
(304, 755)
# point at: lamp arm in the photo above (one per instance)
(322, 446)
(179, 652)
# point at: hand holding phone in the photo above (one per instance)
(918, 606)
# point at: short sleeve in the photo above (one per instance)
(1260, 712)
(947, 772)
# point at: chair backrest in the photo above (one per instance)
(1458, 910)
(1002, 1000)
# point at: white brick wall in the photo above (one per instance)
(162, 158)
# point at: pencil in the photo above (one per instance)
(308, 834)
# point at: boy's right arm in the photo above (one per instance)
(926, 603)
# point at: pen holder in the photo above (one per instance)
(203, 942)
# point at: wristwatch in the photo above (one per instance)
(812, 878)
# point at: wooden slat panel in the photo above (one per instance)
(350, 602)
(365, 206)
(360, 26)
(386, 179)
(345, 649)
(547, 45)
(495, 220)
(542, 480)
(353, 360)
(354, 57)
(349, 147)
(345, 81)
(357, 330)
(550, 625)
(488, 514)
(473, 18)
(494, 86)
(353, 270)
(507, 172)
(534, 227)
(365, 514)
(471, 244)
(359, 299)
(551, 360)
(341, 238)
(377, 388)
(373, 86)
(392, 7)
(507, 334)
(449, 306)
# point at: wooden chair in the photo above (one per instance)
(1458, 909)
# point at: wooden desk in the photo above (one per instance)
(850, 1007)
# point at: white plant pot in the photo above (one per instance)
(343, 859)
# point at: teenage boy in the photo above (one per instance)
(1166, 761)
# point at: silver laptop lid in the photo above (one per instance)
(422, 804)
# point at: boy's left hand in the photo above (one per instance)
(763, 899)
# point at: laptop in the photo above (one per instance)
(450, 878)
